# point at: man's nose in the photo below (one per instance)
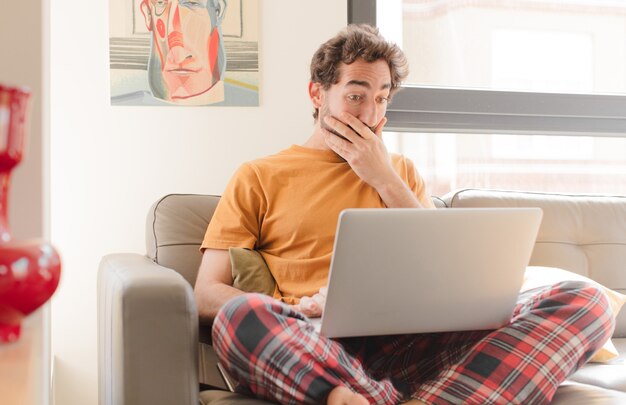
(369, 114)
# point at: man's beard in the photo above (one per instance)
(323, 113)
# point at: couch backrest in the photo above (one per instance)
(175, 228)
(580, 233)
(583, 234)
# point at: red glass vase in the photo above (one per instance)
(29, 269)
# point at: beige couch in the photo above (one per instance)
(147, 320)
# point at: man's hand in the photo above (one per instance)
(363, 148)
(367, 155)
(313, 307)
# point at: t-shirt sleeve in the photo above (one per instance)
(416, 183)
(239, 213)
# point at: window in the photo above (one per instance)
(525, 59)
(515, 94)
(574, 164)
(474, 43)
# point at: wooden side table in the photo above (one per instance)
(22, 374)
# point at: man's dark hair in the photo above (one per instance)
(356, 41)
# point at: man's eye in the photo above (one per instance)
(383, 100)
(355, 98)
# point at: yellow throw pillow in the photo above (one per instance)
(537, 276)
(250, 272)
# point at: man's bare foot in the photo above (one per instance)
(341, 395)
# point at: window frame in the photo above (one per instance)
(464, 110)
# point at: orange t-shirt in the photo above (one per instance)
(287, 205)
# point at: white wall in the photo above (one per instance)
(109, 164)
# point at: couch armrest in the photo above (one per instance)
(147, 334)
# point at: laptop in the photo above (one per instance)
(399, 271)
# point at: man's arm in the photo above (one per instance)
(214, 284)
(365, 152)
(396, 194)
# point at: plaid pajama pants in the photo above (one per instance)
(274, 353)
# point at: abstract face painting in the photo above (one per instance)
(184, 52)
(187, 58)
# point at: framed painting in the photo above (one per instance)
(184, 52)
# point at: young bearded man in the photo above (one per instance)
(286, 206)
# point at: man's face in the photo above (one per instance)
(187, 51)
(363, 91)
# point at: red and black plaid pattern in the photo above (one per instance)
(274, 353)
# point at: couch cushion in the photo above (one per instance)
(610, 375)
(580, 233)
(569, 393)
(175, 227)
(439, 203)
(214, 397)
(572, 393)
(250, 272)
